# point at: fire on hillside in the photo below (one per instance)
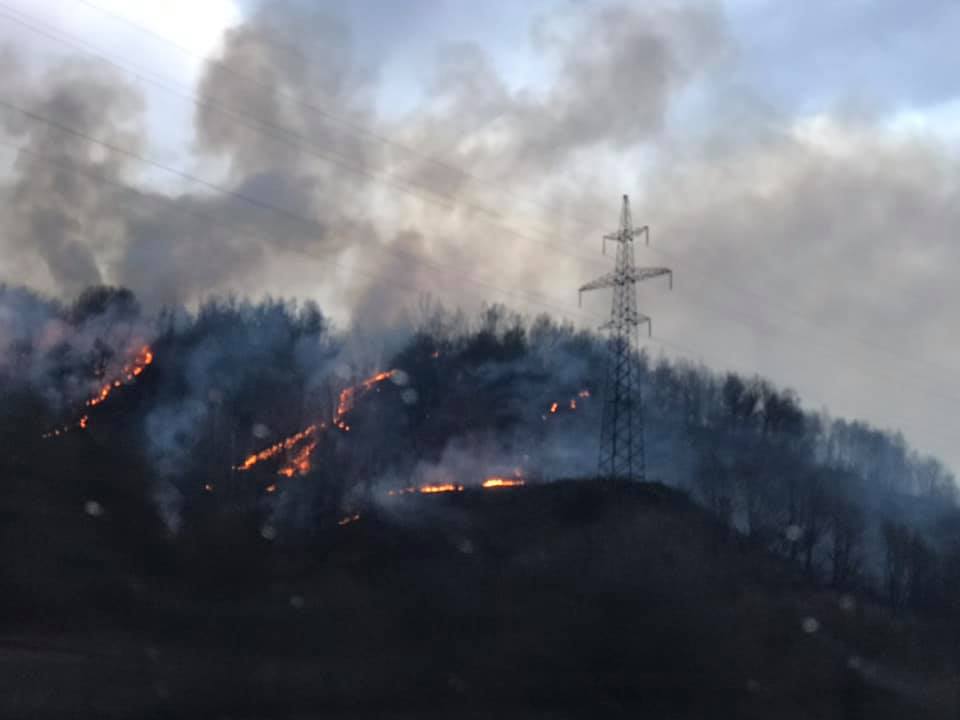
(130, 372)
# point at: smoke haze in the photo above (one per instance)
(808, 222)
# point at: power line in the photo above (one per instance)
(446, 201)
(391, 283)
(357, 128)
(295, 140)
(566, 312)
(354, 127)
(367, 132)
(306, 222)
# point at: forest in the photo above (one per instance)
(472, 397)
(157, 464)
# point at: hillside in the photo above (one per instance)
(572, 599)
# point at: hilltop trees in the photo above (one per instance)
(472, 396)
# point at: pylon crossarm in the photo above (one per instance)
(622, 235)
(611, 237)
(604, 281)
(641, 274)
(637, 319)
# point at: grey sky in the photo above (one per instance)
(797, 164)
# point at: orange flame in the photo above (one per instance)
(449, 487)
(434, 488)
(571, 404)
(502, 482)
(300, 463)
(143, 359)
(348, 396)
(278, 448)
(129, 372)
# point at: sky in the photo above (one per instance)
(797, 164)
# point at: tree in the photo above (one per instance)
(897, 543)
(102, 300)
(845, 529)
(814, 516)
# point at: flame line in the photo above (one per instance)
(300, 463)
(128, 374)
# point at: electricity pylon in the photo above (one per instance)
(622, 451)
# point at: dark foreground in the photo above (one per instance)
(573, 600)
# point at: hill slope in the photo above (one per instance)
(574, 599)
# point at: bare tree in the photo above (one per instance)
(845, 530)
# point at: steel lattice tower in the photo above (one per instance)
(622, 451)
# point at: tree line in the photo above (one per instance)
(852, 506)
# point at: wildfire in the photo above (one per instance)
(449, 487)
(348, 397)
(428, 489)
(128, 374)
(300, 463)
(502, 482)
(571, 404)
(279, 447)
(435, 488)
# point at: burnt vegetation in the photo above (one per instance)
(781, 563)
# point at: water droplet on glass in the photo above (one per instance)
(793, 533)
(268, 532)
(810, 625)
(848, 603)
(93, 508)
(296, 602)
(409, 396)
(261, 431)
(400, 378)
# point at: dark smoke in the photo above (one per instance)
(261, 125)
(798, 201)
